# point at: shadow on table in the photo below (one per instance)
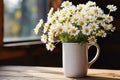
(94, 78)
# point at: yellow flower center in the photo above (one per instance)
(73, 31)
(70, 10)
(91, 14)
(95, 10)
(102, 33)
(111, 26)
(95, 21)
(50, 46)
(67, 4)
(87, 10)
(81, 23)
(93, 27)
(75, 19)
(80, 7)
(60, 29)
(68, 27)
(92, 39)
(82, 15)
(86, 30)
(105, 27)
(52, 31)
(108, 17)
(87, 19)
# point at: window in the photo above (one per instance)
(20, 18)
(25, 51)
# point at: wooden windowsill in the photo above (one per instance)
(23, 44)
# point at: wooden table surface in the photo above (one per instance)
(52, 73)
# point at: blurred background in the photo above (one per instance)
(21, 17)
(20, 45)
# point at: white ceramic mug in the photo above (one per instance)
(75, 59)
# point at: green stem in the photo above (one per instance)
(109, 12)
(57, 42)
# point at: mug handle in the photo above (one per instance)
(97, 53)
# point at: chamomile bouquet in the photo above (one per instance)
(83, 23)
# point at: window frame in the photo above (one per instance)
(1, 24)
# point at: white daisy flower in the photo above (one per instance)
(67, 27)
(87, 18)
(91, 3)
(82, 14)
(102, 33)
(94, 20)
(50, 12)
(50, 46)
(52, 30)
(108, 18)
(105, 26)
(38, 26)
(50, 38)
(61, 19)
(92, 39)
(110, 27)
(44, 38)
(112, 8)
(63, 12)
(113, 29)
(96, 10)
(36, 30)
(41, 21)
(66, 4)
(59, 28)
(81, 22)
(53, 19)
(91, 14)
(80, 6)
(86, 9)
(74, 31)
(86, 30)
(71, 9)
(93, 26)
(74, 18)
(46, 27)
